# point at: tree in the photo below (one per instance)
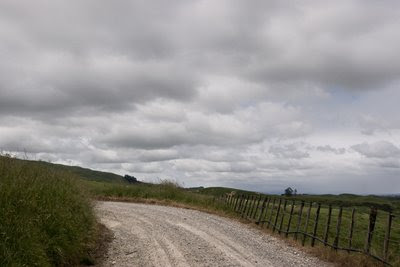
(130, 179)
(289, 192)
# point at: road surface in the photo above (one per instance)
(150, 235)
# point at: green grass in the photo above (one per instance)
(45, 217)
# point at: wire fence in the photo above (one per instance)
(368, 230)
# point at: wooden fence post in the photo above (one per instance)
(236, 202)
(250, 206)
(290, 219)
(315, 225)
(239, 208)
(262, 210)
(328, 224)
(387, 237)
(266, 212)
(338, 225)
(239, 197)
(283, 216)
(253, 206)
(277, 215)
(245, 206)
(254, 212)
(242, 204)
(306, 226)
(352, 227)
(372, 219)
(299, 219)
(272, 211)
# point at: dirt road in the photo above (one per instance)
(149, 235)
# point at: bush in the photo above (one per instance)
(45, 217)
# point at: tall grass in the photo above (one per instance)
(45, 217)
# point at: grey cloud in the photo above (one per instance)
(114, 85)
(247, 125)
(328, 148)
(380, 149)
(109, 57)
(369, 125)
(190, 165)
(152, 167)
(393, 163)
(158, 155)
(288, 151)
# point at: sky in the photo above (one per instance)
(259, 95)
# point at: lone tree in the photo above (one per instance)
(289, 192)
(130, 179)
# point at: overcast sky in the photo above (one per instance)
(259, 95)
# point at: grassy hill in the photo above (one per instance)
(83, 173)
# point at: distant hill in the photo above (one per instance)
(389, 203)
(83, 173)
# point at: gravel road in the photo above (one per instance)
(150, 235)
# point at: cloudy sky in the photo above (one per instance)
(258, 95)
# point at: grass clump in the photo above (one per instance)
(45, 217)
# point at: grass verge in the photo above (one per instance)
(46, 217)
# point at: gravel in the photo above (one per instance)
(150, 235)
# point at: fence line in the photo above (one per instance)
(374, 233)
